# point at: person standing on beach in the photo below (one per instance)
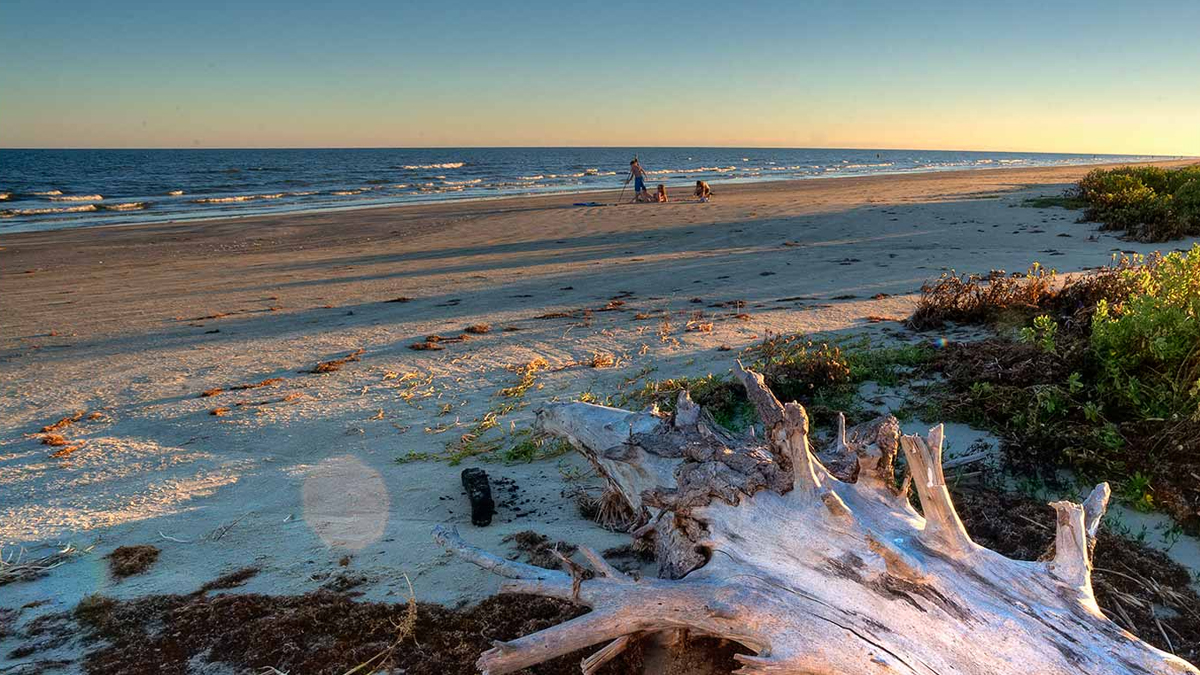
(638, 175)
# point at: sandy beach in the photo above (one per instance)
(130, 325)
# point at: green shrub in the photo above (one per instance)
(1147, 202)
(797, 369)
(1099, 182)
(1148, 347)
(1180, 177)
(1187, 203)
(1041, 333)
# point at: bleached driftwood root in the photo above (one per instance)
(760, 543)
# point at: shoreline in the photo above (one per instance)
(51, 275)
(550, 194)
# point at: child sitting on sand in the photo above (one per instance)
(703, 192)
(662, 194)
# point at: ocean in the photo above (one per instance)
(49, 189)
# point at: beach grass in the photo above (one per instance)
(1064, 201)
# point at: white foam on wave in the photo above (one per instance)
(127, 206)
(10, 213)
(346, 193)
(5, 196)
(703, 169)
(443, 165)
(238, 198)
(866, 166)
(463, 182)
(585, 173)
(76, 198)
(48, 193)
(175, 193)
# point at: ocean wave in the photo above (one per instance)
(585, 173)
(10, 213)
(703, 169)
(865, 166)
(175, 193)
(48, 193)
(76, 198)
(552, 176)
(238, 198)
(443, 165)
(5, 196)
(347, 193)
(127, 206)
(463, 182)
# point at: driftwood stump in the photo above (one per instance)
(817, 574)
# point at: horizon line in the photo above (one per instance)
(584, 147)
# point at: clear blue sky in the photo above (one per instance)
(1100, 76)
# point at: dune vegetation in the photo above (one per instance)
(1148, 203)
(1099, 375)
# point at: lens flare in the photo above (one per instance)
(346, 503)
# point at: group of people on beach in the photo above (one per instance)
(643, 196)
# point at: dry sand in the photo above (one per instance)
(133, 323)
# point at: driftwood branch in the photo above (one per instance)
(816, 573)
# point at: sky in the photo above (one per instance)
(1061, 76)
